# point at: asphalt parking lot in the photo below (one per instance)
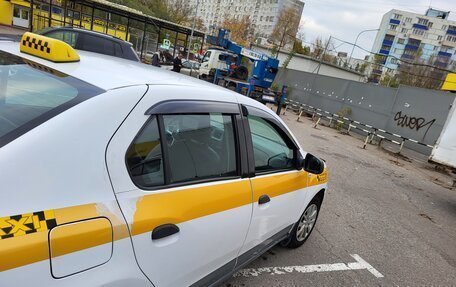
(395, 216)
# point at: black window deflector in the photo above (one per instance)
(193, 106)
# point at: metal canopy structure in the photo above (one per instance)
(147, 33)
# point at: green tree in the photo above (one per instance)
(274, 51)
(288, 59)
(241, 30)
(300, 49)
(363, 67)
(389, 80)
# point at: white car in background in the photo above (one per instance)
(190, 68)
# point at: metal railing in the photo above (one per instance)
(370, 131)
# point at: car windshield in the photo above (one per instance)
(206, 57)
(31, 93)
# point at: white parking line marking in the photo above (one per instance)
(360, 264)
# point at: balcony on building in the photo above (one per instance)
(413, 44)
(420, 26)
(448, 43)
(440, 64)
(416, 37)
(444, 54)
(407, 56)
(394, 21)
(412, 47)
(388, 40)
(451, 30)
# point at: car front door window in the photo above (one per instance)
(270, 150)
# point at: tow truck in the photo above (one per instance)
(223, 66)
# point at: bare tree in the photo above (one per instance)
(318, 48)
(423, 75)
(286, 28)
(176, 11)
(321, 50)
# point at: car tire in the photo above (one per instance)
(305, 225)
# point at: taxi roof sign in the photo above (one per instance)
(47, 48)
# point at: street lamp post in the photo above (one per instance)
(193, 28)
(354, 45)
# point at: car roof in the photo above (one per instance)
(108, 72)
(98, 34)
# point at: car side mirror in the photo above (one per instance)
(299, 162)
(279, 161)
(313, 164)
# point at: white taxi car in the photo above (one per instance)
(115, 173)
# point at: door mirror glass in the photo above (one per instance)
(313, 164)
(279, 161)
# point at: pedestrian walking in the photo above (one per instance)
(177, 63)
(156, 59)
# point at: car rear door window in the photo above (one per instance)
(68, 37)
(200, 146)
(144, 157)
(118, 50)
(271, 151)
(194, 147)
(96, 44)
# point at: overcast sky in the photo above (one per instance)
(344, 19)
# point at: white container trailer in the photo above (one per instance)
(444, 151)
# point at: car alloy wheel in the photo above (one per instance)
(307, 222)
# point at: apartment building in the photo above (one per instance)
(412, 37)
(263, 13)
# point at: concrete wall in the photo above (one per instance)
(308, 64)
(412, 112)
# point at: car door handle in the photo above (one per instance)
(164, 231)
(264, 199)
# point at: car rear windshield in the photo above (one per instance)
(31, 94)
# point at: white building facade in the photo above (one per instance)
(407, 36)
(263, 13)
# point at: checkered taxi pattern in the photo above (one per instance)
(18, 225)
(36, 44)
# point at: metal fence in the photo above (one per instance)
(413, 113)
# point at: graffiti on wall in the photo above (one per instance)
(413, 123)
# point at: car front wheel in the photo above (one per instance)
(303, 228)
